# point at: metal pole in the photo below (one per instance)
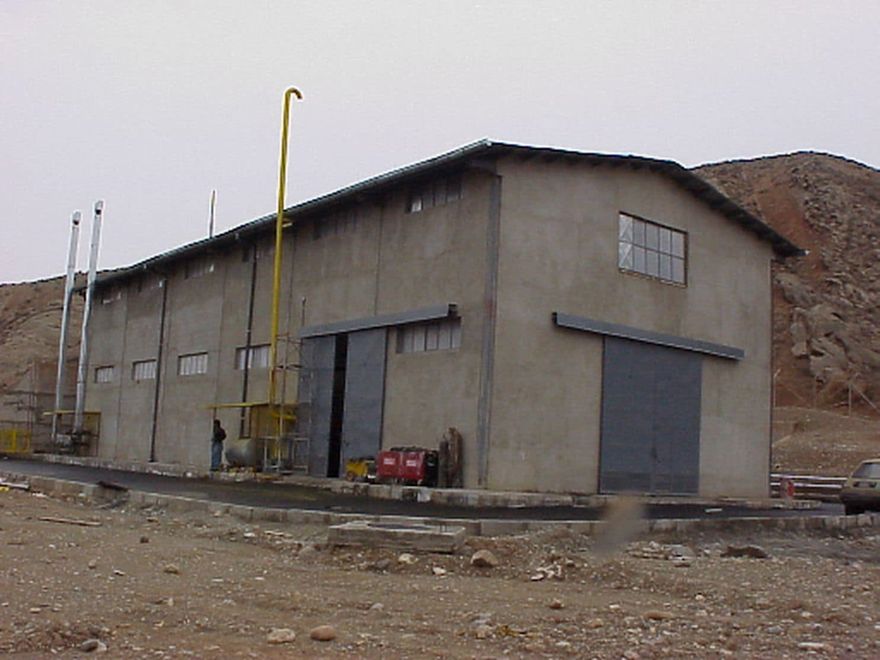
(276, 276)
(211, 221)
(65, 318)
(82, 368)
(279, 224)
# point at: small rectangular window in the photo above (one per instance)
(436, 193)
(110, 294)
(255, 357)
(149, 283)
(453, 189)
(432, 332)
(415, 203)
(198, 268)
(650, 249)
(192, 364)
(105, 374)
(418, 338)
(143, 370)
(440, 335)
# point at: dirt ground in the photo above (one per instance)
(813, 441)
(149, 583)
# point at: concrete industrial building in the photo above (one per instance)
(589, 323)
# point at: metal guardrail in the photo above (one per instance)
(807, 485)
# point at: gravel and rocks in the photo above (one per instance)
(243, 588)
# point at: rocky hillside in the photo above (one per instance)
(30, 320)
(827, 305)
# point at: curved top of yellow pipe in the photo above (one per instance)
(294, 91)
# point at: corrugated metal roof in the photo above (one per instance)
(456, 158)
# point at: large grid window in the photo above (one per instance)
(434, 193)
(143, 370)
(192, 364)
(441, 335)
(105, 374)
(255, 357)
(650, 249)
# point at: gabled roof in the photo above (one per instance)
(482, 150)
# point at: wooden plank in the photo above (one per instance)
(70, 521)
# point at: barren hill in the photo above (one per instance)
(30, 320)
(827, 304)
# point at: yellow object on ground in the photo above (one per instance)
(15, 441)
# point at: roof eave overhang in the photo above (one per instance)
(457, 158)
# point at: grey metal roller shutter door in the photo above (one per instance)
(316, 393)
(364, 394)
(650, 418)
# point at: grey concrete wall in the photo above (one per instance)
(388, 261)
(394, 262)
(432, 257)
(140, 342)
(106, 347)
(559, 235)
(192, 325)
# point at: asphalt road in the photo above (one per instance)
(287, 496)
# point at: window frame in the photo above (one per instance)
(105, 369)
(434, 336)
(647, 255)
(198, 267)
(191, 356)
(138, 363)
(440, 191)
(246, 356)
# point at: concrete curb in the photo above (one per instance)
(473, 527)
(448, 496)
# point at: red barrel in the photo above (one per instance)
(413, 468)
(389, 465)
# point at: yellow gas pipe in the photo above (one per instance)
(276, 278)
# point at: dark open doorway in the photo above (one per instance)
(337, 410)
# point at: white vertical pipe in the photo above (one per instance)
(211, 220)
(65, 318)
(82, 368)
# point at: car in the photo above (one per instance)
(861, 492)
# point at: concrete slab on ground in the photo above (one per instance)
(425, 538)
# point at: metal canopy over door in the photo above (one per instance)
(364, 395)
(650, 418)
(316, 398)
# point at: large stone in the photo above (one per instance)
(484, 559)
(823, 321)
(93, 646)
(281, 636)
(795, 290)
(752, 551)
(323, 633)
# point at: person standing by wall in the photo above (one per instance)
(217, 438)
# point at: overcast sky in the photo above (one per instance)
(150, 105)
